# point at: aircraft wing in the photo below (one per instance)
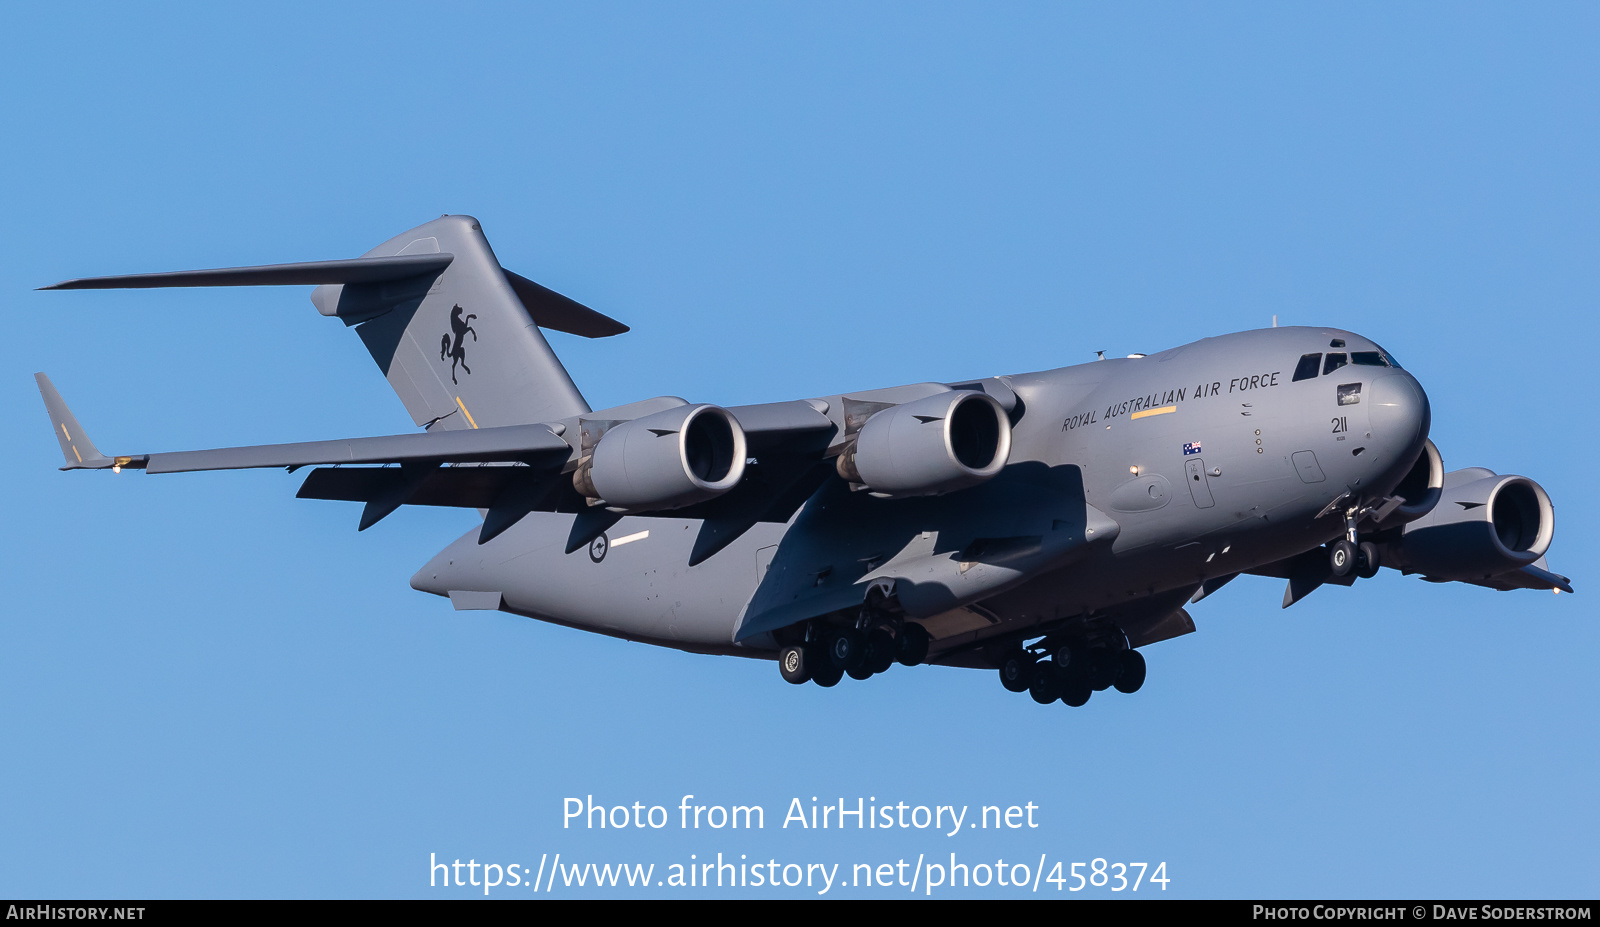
(509, 470)
(1309, 571)
(531, 444)
(419, 456)
(786, 441)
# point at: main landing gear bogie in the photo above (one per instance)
(832, 654)
(1072, 672)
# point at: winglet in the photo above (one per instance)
(80, 452)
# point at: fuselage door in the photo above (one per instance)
(1305, 464)
(1194, 472)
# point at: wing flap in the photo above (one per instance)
(527, 443)
(1533, 576)
(447, 487)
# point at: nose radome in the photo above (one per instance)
(1399, 414)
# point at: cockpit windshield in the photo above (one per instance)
(1307, 368)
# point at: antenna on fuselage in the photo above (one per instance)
(1099, 355)
(1274, 320)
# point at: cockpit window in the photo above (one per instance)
(1334, 362)
(1367, 359)
(1308, 367)
(1389, 358)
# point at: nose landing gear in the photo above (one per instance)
(1346, 557)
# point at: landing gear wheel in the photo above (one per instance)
(913, 641)
(1016, 668)
(881, 650)
(1073, 662)
(847, 649)
(1102, 669)
(1367, 561)
(1133, 670)
(1045, 686)
(1076, 695)
(1342, 557)
(826, 674)
(794, 662)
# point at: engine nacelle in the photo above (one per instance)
(932, 445)
(1483, 525)
(1421, 488)
(666, 460)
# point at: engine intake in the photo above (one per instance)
(1484, 524)
(936, 444)
(666, 460)
(1421, 487)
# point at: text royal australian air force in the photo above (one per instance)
(1162, 401)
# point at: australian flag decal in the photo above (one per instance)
(1192, 448)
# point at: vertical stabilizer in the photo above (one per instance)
(459, 348)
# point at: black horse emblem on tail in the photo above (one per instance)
(457, 353)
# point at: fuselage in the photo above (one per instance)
(1207, 460)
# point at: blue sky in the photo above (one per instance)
(211, 689)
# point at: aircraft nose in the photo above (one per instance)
(1399, 414)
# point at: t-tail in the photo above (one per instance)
(456, 334)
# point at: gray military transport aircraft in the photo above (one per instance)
(1048, 525)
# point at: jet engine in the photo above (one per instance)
(1484, 524)
(666, 460)
(1420, 488)
(932, 445)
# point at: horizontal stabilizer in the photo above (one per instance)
(80, 452)
(312, 273)
(561, 313)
